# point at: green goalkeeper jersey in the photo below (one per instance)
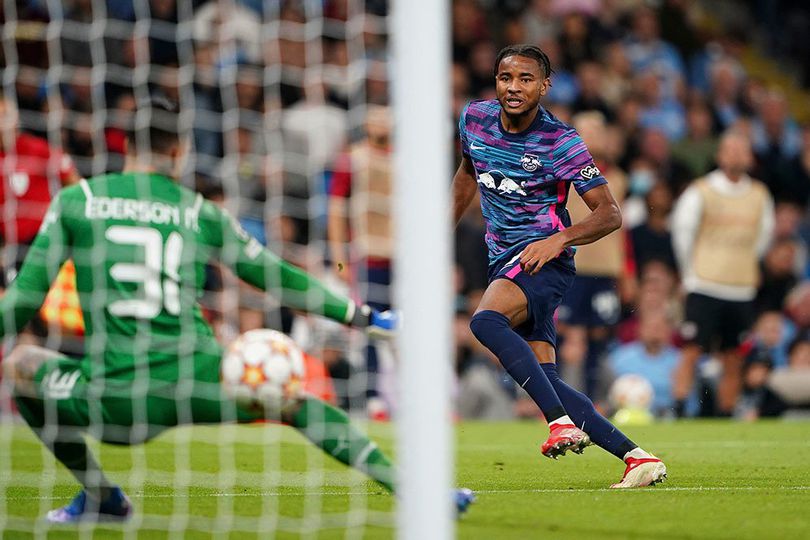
(140, 243)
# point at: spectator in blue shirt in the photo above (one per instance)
(652, 356)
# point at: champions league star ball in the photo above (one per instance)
(631, 396)
(263, 370)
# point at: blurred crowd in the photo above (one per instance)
(287, 103)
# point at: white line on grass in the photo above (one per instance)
(141, 495)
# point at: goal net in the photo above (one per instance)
(287, 105)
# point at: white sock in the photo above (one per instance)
(561, 421)
(638, 453)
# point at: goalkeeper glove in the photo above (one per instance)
(377, 324)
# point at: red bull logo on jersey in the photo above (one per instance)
(530, 162)
(498, 180)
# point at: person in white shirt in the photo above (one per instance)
(721, 227)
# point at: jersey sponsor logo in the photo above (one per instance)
(58, 385)
(530, 162)
(474, 147)
(505, 185)
(590, 172)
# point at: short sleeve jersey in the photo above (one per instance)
(524, 178)
(30, 175)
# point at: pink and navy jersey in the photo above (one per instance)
(524, 177)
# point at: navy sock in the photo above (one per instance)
(587, 418)
(494, 331)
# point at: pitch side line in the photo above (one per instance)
(477, 491)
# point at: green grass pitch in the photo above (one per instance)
(726, 481)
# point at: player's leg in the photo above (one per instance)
(736, 322)
(375, 283)
(510, 307)
(643, 469)
(702, 320)
(47, 388)
(330, 429)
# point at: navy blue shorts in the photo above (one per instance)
(544, 291)
(592, 301)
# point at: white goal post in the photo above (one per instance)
(421, 97)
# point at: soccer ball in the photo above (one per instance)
(631, 396)
(631, 391)
(263, 370)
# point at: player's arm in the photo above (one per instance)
(337, 220)
(25, 295)
(605, 217)
(685, 223)
(337, 232)
(464, 188)
(464, 181)
(294, 287)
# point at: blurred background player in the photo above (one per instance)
(139, 379)
(32, 172)
(360, 230)
(722, 226)
(522, 160)
(592, 306)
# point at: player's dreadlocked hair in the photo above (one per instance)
(529, 51)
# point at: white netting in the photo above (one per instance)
(286, 105)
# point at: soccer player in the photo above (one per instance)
(522, 160)
(360, 211)
(140, 242)
(32, 172)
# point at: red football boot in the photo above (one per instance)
(641, 472)
(564, 437)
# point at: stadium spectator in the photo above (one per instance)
(657, 290)
(791, 182)
(655, 148)
(725, 95)
(721, 227)
(791, 384)
(697, 149)
(781, 268)
(651, 240)
(652, 356)
(658, 111)
(589, 83)
(647, 52)
(617, 74)
(775, 135)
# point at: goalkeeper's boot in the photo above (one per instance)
(641, 472)
(463, 498)
(564, 437)
(116, 507)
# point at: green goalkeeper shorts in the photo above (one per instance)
(127, 411)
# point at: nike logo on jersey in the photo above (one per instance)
(474, 147)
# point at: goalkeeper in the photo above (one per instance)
(140, 243)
